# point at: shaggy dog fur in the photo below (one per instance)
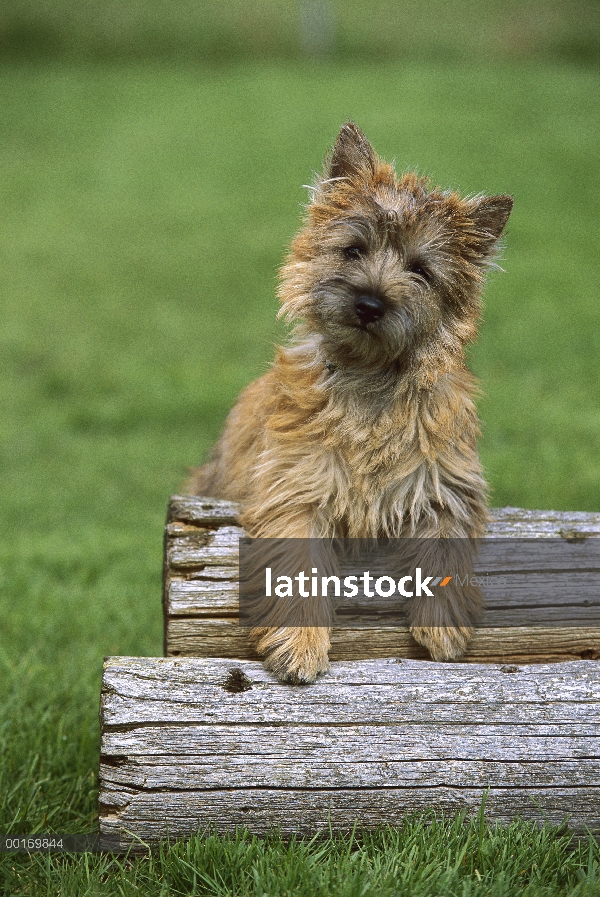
(365, 425)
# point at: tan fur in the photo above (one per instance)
(368, 428)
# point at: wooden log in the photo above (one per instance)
(201, 591)
(195, 744)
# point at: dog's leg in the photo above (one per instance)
(293, 634)
(444, 623)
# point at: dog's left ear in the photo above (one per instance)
(489, 215)
(352, 154)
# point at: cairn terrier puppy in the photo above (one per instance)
(365, 425)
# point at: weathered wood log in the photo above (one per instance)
(201, 591)
(196, 744)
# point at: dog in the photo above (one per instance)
(365, 425)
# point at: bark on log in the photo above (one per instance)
(201, 592)
(196, 744)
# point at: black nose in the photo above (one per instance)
(369, 309)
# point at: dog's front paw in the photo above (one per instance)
(297, 668)
(296, 655)
(443, 642)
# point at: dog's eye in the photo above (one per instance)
(420, 271)
(353, 252)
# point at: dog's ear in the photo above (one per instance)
(490, 214)
(486, 217)
(352, 154)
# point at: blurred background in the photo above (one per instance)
(152, 157)
(208, 31)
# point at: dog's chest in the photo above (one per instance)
(375, 470)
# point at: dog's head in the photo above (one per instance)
(387, 268)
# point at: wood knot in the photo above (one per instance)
(237, 681)
(572, 535)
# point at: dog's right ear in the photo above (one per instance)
(352, 155)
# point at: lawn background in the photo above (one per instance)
(151, 163)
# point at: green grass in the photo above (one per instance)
(288, 29)
(428, 856)
(145, 209)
